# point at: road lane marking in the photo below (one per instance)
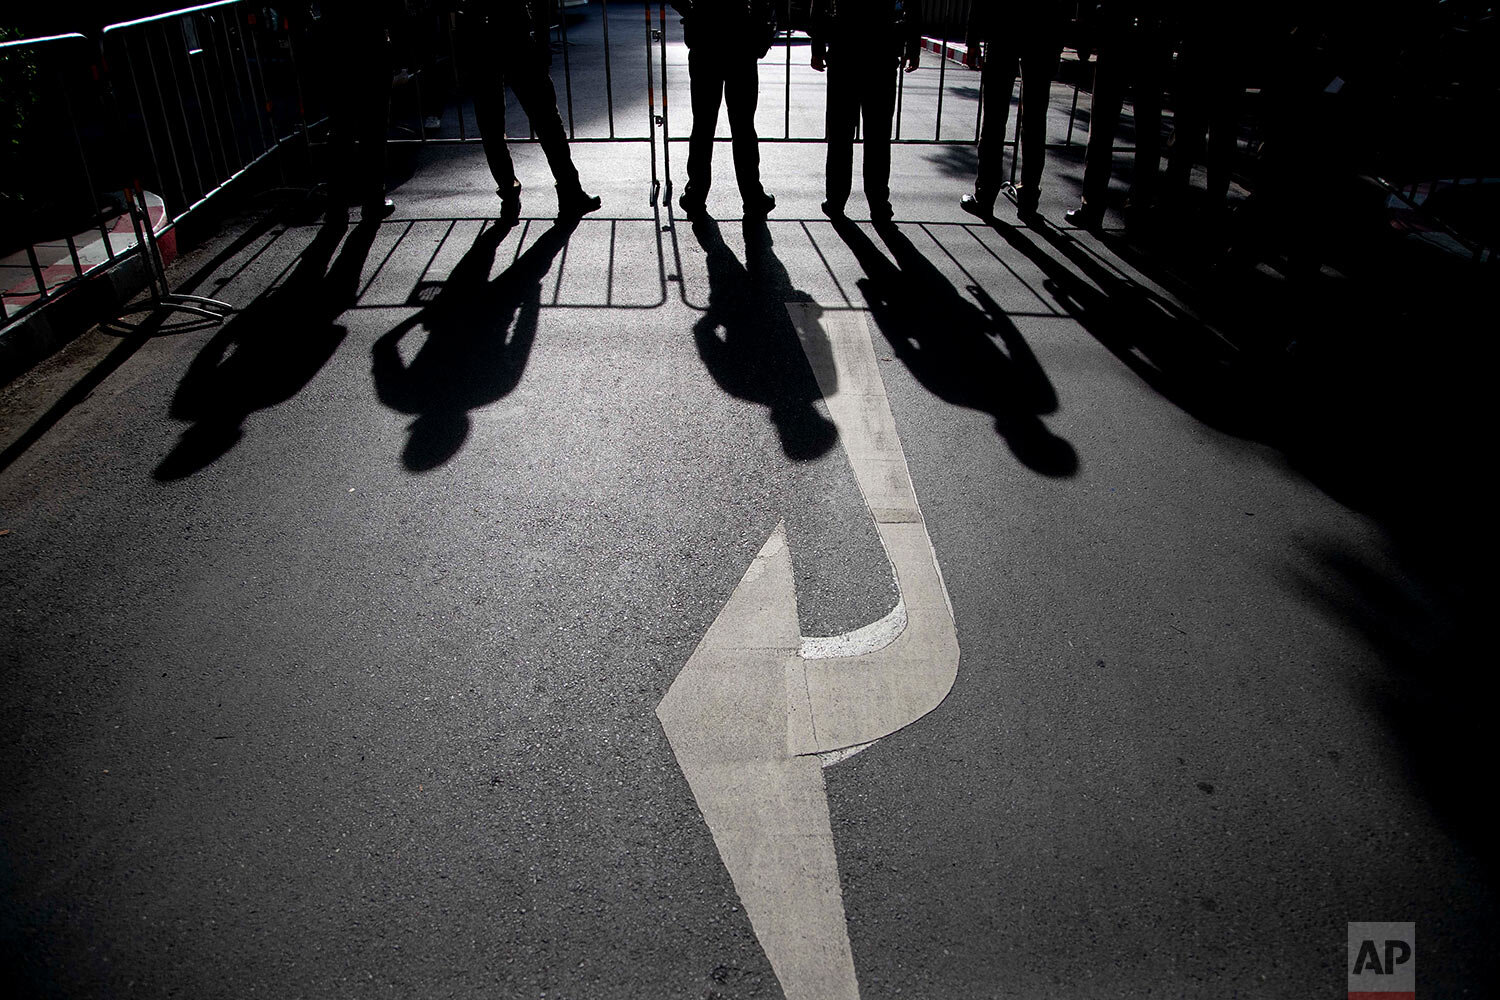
(759, 710)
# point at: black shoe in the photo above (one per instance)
(882, 212)
(831, 210)
(1083, 217)
(1027, 212)
(761, 207)
(692, 205)
(972, 204)
(376, 208)
(577, 202)
(510, 204)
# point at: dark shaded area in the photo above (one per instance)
(1435, 685)
(479, 337)
(748, 343)
(967, 354)
(1352, 353)
(1180, 357)
(268, 352)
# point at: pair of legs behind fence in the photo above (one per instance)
(507, 45)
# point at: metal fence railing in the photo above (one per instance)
(941, 104)
(112, 142)
(204, 94)
(128, 134)
(56, 225)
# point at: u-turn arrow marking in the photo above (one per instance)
(759, 710)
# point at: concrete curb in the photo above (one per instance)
(953, 51)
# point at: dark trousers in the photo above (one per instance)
(530, 81)
(1208, 96)
(1138, 61)
(860, 86)
(359, 102)
(1002, 64)
(716, 77)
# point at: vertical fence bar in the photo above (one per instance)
(88, 177)
(942, 80)
(187, 132)
(291, 54)
(224, 60)
(73, 253)
(651, 102)
(562, 19)
(1015, 156)
(212, 89)
(141, 236)
(36, 270)
(1073, 111)
(458, 79)
(260, 71)
(256, 105)
(666, 122)
(609, 80)
(980, 108)
(901, 95)
(788, 109)
(213, 106)
(421, 108)
(146, 121)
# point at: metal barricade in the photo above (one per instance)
(197, 93)
(588, 86)
(203, 96)
(57, 224)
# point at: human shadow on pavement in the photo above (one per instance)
(479, 338)
(949, 343)
(1178, 356)
(270, 351)
(748, 343)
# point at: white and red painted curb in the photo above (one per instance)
(954, 51)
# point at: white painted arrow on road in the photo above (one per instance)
(759, 710)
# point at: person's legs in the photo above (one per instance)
(840, 122)
(878, 104)
(998, 80)
(489, 116)
(1223, 128)
(361, 105)
(1037, 70)
(741, 95)
(533, 89)
(1104, 118)
(484, 77)
(1189, 119)
(706, 87)
(1153, 57)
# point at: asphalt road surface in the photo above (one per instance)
(334, 636)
